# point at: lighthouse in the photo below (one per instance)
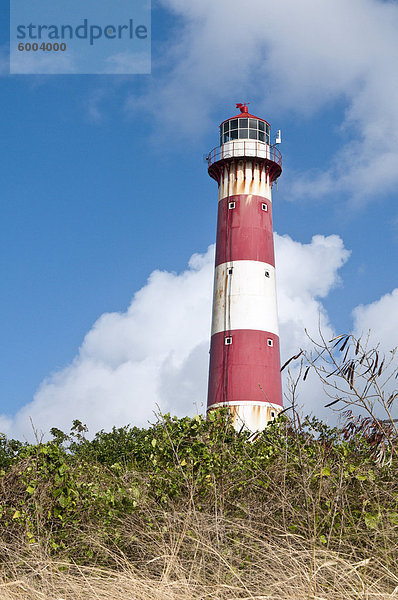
(244, 373)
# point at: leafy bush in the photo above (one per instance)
(75, 496)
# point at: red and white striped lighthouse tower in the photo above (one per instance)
(244, 355)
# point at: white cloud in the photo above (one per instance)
(128, 63)
(306, 274)
(156, 353)
(376, 325)
(94, 105)
(41, 63)
(381, 319)
(295, 56)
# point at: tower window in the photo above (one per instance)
(267, 273)
(264, 207)
(270, 342)
(230, 270)
(231, 205)
(272, 414)
(228, 341)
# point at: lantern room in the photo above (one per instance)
(244, 127)
(247, 138)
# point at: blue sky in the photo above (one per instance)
(103, 182)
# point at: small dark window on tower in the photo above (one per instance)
(272, 414)
(231, 205)
(230, 271)
(267, 273)
(264, 206)
(228, 341)
(270, 342)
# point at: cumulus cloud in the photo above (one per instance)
(311, 54)
(155, 354)
(375, 325)
(380, 319)
(306, 274)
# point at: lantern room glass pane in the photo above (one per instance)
(261, 125)
(253, 123)
(226, 127)
(253, 134)
(234, 124)
(243, 123)
(234, 134)
(243, 133)
(261, 136)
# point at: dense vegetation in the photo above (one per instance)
(198, 491)
(190, 508)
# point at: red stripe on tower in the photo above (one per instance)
(249, 365)
(244, 355)
(244, 229)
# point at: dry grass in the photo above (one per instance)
(298, 576)
(199, 561)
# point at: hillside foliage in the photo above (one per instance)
(189, 508)
(131, 492)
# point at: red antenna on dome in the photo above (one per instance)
(243, 107)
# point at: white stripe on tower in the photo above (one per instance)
(244, 293)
